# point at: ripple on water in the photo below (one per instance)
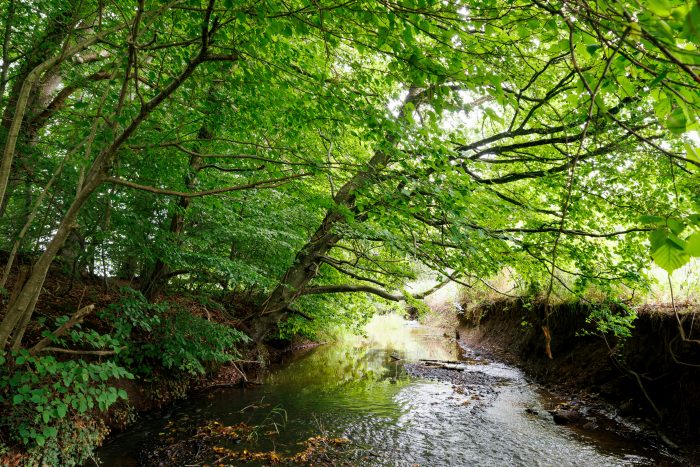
(357, 390)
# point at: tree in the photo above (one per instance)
(292, 150)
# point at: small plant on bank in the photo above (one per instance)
(612, 317)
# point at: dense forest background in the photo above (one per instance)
(288, 163)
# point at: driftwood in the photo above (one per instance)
(77, 317)
(428, 360)
(445, 364)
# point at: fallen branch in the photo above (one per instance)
(96, 353)
(77, 317)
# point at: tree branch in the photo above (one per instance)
(345, 288)
(97, 353)
(272, 183)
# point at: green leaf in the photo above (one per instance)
(669, 256)
(61, 410)
(676, 241)
(692, 153)
(660, 7)
(676, 121)
(692, 245)
(17, 399)
(657, 238)
(592, 48)
(691, 28)
(492, 115)
(676, 225)
(649, 219)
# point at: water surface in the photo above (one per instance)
(358, 389)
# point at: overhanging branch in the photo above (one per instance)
(271, 183)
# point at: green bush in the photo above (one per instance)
(614, 318)
(49, 405)
(188, 343)
(153, 336)
(43, 399)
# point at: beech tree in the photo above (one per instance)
(280, 152)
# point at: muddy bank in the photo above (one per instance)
(645, 377)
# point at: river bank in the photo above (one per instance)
(600, 382)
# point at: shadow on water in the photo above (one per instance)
(359, 390)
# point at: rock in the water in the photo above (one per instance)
(565, 416)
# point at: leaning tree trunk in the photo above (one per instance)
(308, 260)
(24, 92)
(23, 307)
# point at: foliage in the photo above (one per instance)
(416, 307)
(613, 318)
(155, 337)
(41, 396)
(671, 248)
(187, 343)
(332, 316)
(73, 445)
(273, 155)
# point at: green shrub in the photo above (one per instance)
(614, 318)
(74, 443)
(154, 337)
(45, 402)
(188, 343)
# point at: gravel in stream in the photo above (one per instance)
(475, 386)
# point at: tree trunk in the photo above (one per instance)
(308, 260)
(24, 95)
(30, 292)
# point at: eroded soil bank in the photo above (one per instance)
(602, 381)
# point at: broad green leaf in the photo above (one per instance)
(650, 219)
(692, 246)
(660, 7)
(657, 238)
(669, 256)
(692, 153)
(676, 121)
(691, 28)
(676, 225)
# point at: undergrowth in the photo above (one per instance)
(52, 405)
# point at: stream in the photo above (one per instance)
(359, 390)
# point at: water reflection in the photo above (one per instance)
(357, 388)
